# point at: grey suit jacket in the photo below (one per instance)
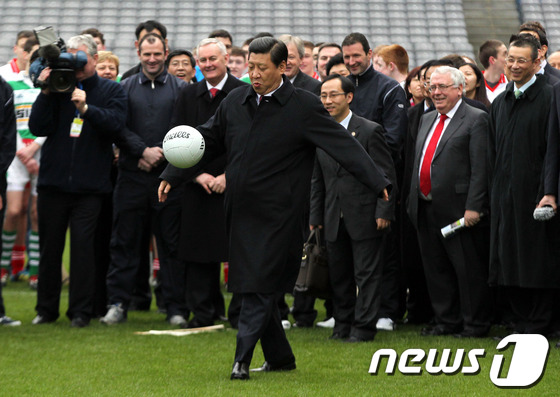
(335, 190)
(459, 166)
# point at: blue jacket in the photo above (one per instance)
(79, 165)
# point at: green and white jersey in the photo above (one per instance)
(24, 97)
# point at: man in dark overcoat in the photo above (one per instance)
(523, 252)
(269, 132)
(203, 242)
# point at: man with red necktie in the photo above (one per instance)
(449, 183)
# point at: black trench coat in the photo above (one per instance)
(270, 154)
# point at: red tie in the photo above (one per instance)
(425, 179)
(213, 92)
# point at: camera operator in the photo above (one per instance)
(74, 177)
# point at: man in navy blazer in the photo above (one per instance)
(449, 182)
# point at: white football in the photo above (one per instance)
(183, 146)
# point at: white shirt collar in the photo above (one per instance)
(452, 112)
(271, 92)
(528, 84)
(346, 120)
(219, 86)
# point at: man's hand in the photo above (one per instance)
(471, 218)
(219, 184)
(206, 181)
(144, 165)
(163, 190)
(153, 155)
(79, 99)
(548, 199)
(32, 167)
(26, 153)
(43, 77)
(385, 195)
(382, 223)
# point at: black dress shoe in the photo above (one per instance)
(79, 322)
(471, 333)
(437, 331)
(338, 336)
(196, 323)
(266, 367)
(358, 339)
(240, 371)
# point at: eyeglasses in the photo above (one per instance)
(442, 87)
(184, 63)
(332, 95)
(520, 61)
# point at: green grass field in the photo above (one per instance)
(56, 360)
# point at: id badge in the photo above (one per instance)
(76, 128)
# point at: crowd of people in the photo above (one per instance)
(432, 145)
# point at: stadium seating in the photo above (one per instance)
(426, 28)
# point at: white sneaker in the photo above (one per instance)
(115, 315)
(179, 320)
(327, 323)
(286, 324)
(8, 322)
(385, 324)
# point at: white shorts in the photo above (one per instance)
(18, 177)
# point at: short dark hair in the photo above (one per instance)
(151, 38)
(94, 32)
(150, 26)
(29, 44)
(28, 34)
(525, 40)
(488, 49)
(176, 53)
(456, 59)
(263, 34)
(435, 63)
(345, 83)
(335, 60)
(538, 28)
(220, 33)
(238, 52)
(354, 38)
(269, 45)
(325, 45)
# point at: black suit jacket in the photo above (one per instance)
(335, 190)
(307, 83)
(459, 168)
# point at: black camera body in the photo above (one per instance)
(52, 54)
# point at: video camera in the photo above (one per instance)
(52, 54)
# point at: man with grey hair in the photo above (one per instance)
(74, 177)
(449, 182)
(296, 52)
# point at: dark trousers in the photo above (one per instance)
(533, 309)
(2, 212)
(102, 255)
(57, 211)
(136, 207)
(392, 299)
(259, 319)
(202, 281)
(355, 264)
(456, 273)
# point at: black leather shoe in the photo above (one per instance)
(357, 339)
(240, 371)
(79, 322)
(471, 333)
(266, 367)
(196, 323)
(338, 336)
(437, 331)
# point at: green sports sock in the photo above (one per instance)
(8, 240)
(33, 252)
